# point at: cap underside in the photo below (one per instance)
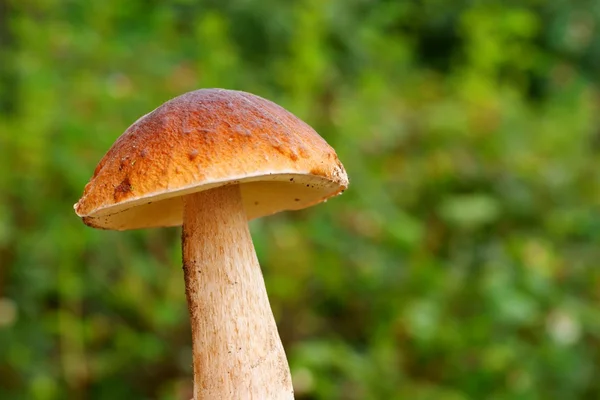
(262, 194)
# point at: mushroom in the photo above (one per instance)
(211, 160)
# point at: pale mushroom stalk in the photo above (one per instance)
(236, 347)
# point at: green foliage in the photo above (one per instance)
(460, 264)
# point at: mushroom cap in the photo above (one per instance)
(202, 140)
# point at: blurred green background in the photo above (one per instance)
(462, 263)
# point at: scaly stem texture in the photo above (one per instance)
(237, 350)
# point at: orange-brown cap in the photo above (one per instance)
(206, 139)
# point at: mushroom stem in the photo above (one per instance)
(237, 350)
